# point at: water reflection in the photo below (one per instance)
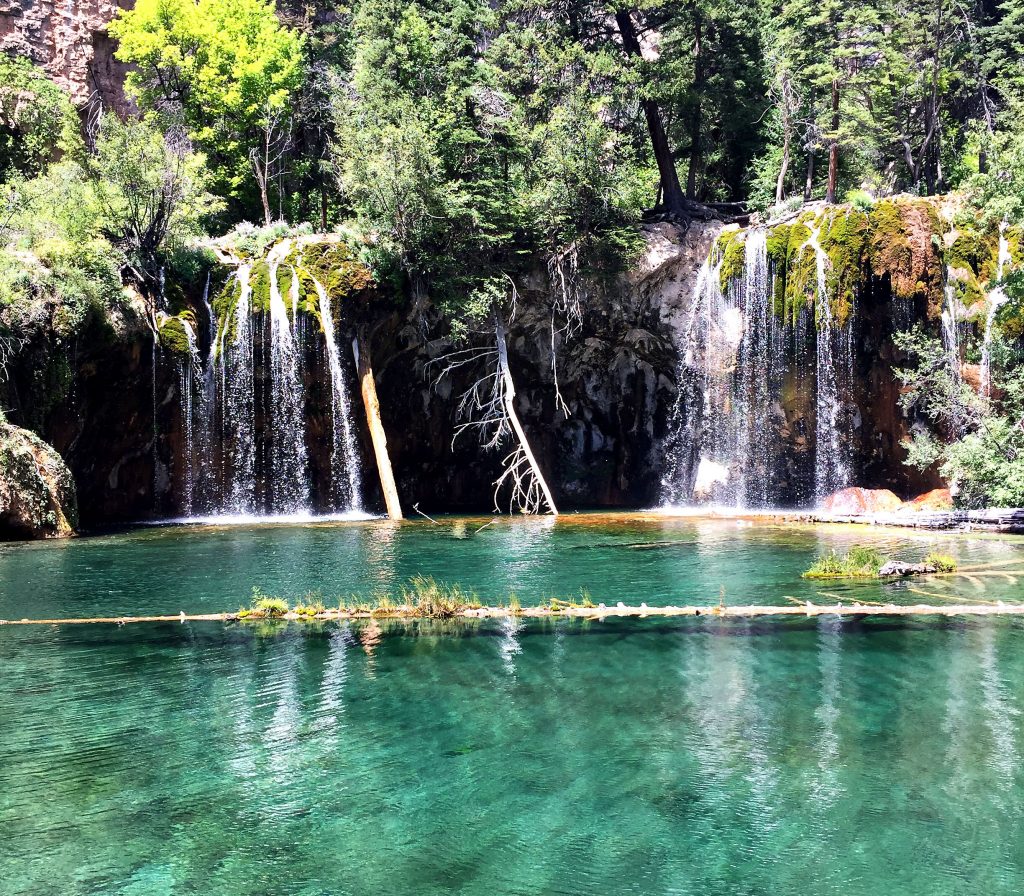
(512, 757)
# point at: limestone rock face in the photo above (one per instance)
(37, 491)
(70, 41)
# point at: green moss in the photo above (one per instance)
(777, 246)
(801, 273)
(905, 246)
(172, 335)
(844, 240)
(730, 248)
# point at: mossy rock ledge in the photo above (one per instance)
(37, 491)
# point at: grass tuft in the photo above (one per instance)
(942, 562)
(858, 563)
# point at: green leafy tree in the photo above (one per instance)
(150, 192)
(226, 69)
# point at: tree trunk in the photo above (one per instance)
(371, 405)
(780, 184)
(672, 192)
(833, 146)
(809, 180)
(509, 393)
(695, 117)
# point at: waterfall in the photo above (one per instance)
(996, 298)
(345, 479)
(289, 474)
(737, 352)
(830, 469)
(245, 447)
(757, 369)
(238, 404)
(190, 376)
(951, 328)
(729, 372)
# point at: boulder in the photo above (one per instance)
(853, 501)
(936, 499)
(37, 491)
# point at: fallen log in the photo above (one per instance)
(601, 611)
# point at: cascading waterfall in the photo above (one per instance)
(191, 378)
(737, 353)
(830, 469)
(728, 371)
(244, 404)
(951, 328)
(758, 370)
(237, 399)
(996, 299)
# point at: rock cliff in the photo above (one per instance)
(69, 39)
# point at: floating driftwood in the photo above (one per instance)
(595, 613)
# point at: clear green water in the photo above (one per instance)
(657, 560)
(693, 756)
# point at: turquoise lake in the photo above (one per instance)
(694, 756)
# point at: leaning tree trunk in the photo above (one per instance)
(509, 399)
(371, 405)
(672, 191)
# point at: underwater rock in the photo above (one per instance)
(37, 491)
(899, 568)
(862, 500)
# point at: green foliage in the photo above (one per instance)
(38, 123)
(977, 444)
(437, 600)
(859, 562)
(227, 70)
(861, 200)
(150, 192)
(263, 606)
(987, 466)
(942, 562)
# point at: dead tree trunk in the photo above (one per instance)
(523, 454)
(371, 405)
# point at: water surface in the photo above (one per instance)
(660, 560)
(659, 757)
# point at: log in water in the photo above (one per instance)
(599, 612)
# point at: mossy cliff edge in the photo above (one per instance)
(913, 247)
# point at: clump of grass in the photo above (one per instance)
(437, 600)
(311, 605)
(263, 606)
(942, 562)
(858, 563)
(513, 603)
